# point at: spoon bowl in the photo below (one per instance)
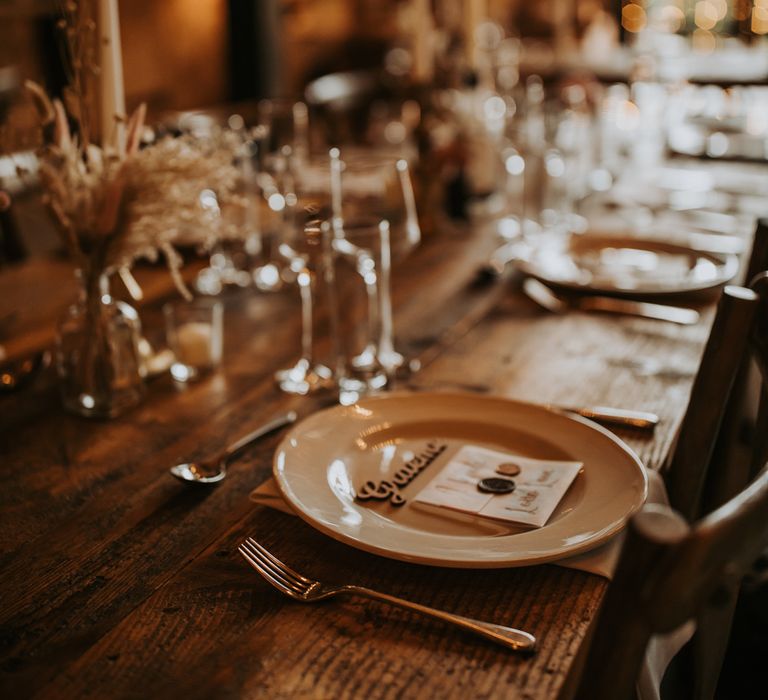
(213, 471)
(199, 473)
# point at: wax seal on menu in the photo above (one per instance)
(496, 484)
(508, 469)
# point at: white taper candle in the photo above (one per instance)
(111, 90)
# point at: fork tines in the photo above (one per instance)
(280, 575)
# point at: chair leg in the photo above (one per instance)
(710, 643)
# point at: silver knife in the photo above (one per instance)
(544, 296)
(661, 312)
(615, 416)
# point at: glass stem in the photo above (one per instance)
(304, 280)
(371, 281)
(388, 355)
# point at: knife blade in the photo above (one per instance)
(661, 312)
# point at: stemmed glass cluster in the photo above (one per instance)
(347, 217)
(329, 225)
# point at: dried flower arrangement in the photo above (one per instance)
(114, 203)
(117, 202)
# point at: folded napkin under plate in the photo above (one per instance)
(601, 561)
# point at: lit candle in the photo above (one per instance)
(111, 93)
(423, 42)
(194, 346)
(475, 13)
(562, 21)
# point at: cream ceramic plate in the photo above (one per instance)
(323, 460)
(625, 265)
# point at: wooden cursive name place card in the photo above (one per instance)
(390, 489)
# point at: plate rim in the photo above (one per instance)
(427, 560)
(728, 261)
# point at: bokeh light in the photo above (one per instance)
(633, 18)
(704, 41)
(705, 15)
(759, 19)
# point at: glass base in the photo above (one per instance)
(353, 388)
(391, 359)
(91, 407)
(303, 379)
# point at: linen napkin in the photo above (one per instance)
(601, 561)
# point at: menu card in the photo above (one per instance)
(538, 485)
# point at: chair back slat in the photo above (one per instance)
(758, 258)
(669, 574)
(731, 467)
(723, 356)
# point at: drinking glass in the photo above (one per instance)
(546, 167)
(301, 194)
(281, 143)
(285, 123)
(235, 220)
(361, 250)
(374, 185)
(308, 254)
(336, 273)
(240, 244)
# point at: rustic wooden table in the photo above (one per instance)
(119, 581)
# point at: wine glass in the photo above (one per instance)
(284, 122)
(308, 255)
(340, 320)
(360, 251)
(302, 196)
(378, 186)
(281, 145)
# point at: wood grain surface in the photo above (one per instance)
(119, 581)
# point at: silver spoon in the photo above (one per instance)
(214, 470)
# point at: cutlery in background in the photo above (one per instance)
(622, 417)
(214, 470)
(546, 298)
(719, 244)
(626, 418)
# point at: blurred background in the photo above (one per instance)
(529, 118)
(181, 54)
(606, 83)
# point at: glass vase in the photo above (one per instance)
(97, 352)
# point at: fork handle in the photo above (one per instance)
(507, 636)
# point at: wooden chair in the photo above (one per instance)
(689, 468)
(691, 473)
(760, 344)
(727, 473)
(669, 573)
